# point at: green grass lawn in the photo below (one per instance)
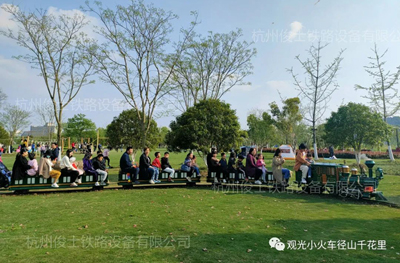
(194, 224)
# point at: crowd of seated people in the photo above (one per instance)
(254, 168)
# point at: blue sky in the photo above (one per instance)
(350, 25)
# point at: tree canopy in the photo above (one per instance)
(287, 119)
(125, 130)
(14, 120)
(354, 125)
(79, 127)
(261, 129)
(208, 123)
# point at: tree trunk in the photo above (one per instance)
(315, 151)
(144, 134)
(391, 156)
(358, 156)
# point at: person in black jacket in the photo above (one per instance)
(146, 170)
(100, 168)
(55, 151)
(20, 165)
(166, 167)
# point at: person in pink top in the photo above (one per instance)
(33, 163)
(261, 165)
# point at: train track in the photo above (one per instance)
(211, 186)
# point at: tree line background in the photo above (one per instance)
(138, 57)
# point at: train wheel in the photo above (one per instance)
(21, 192)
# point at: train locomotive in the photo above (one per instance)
(338, 179)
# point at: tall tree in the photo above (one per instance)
(3, 97)
(4, 136)
(261, 129)
(134, 59)
(79, 127)
(210, 67)
(318, 86)
(382, 94)
(57, 46)
(208, 123)
(287, 119)
(14, 120)
(45, 114)
(125, 130)
(355, 125)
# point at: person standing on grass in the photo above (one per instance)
(127, 166)
(301, 163)
(46, 168)
(100, 168)
(88, 167)
(106, 154)
(68, 170)
(166, 167)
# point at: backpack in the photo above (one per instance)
(5, 176)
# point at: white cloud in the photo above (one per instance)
(295, 28)
(284, 87)
(244, 88)
(88, 29)
(5, 18)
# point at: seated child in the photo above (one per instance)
(261, 165)
(309, 159)
(157, 165)
(224, 167)
(74, 164)
(33, 163)
(240, 169)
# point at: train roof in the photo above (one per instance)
(326, 164)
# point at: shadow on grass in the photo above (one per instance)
(254, 247)
(292, 194)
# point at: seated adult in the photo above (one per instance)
(166, 167)
(100, 168)
(215, 166)
(146, 169)
(251, 167)
(231, 164)
(88, 167)
(301, 163)
(55, 151)
(46, 168)
(127, 166)
(277, 170)
(187, 166)
(68, 170)
(195, 165)
(21, 165)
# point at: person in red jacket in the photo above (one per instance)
(156, 164)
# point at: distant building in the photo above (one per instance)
(40, 131)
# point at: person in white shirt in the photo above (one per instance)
(68, 170)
